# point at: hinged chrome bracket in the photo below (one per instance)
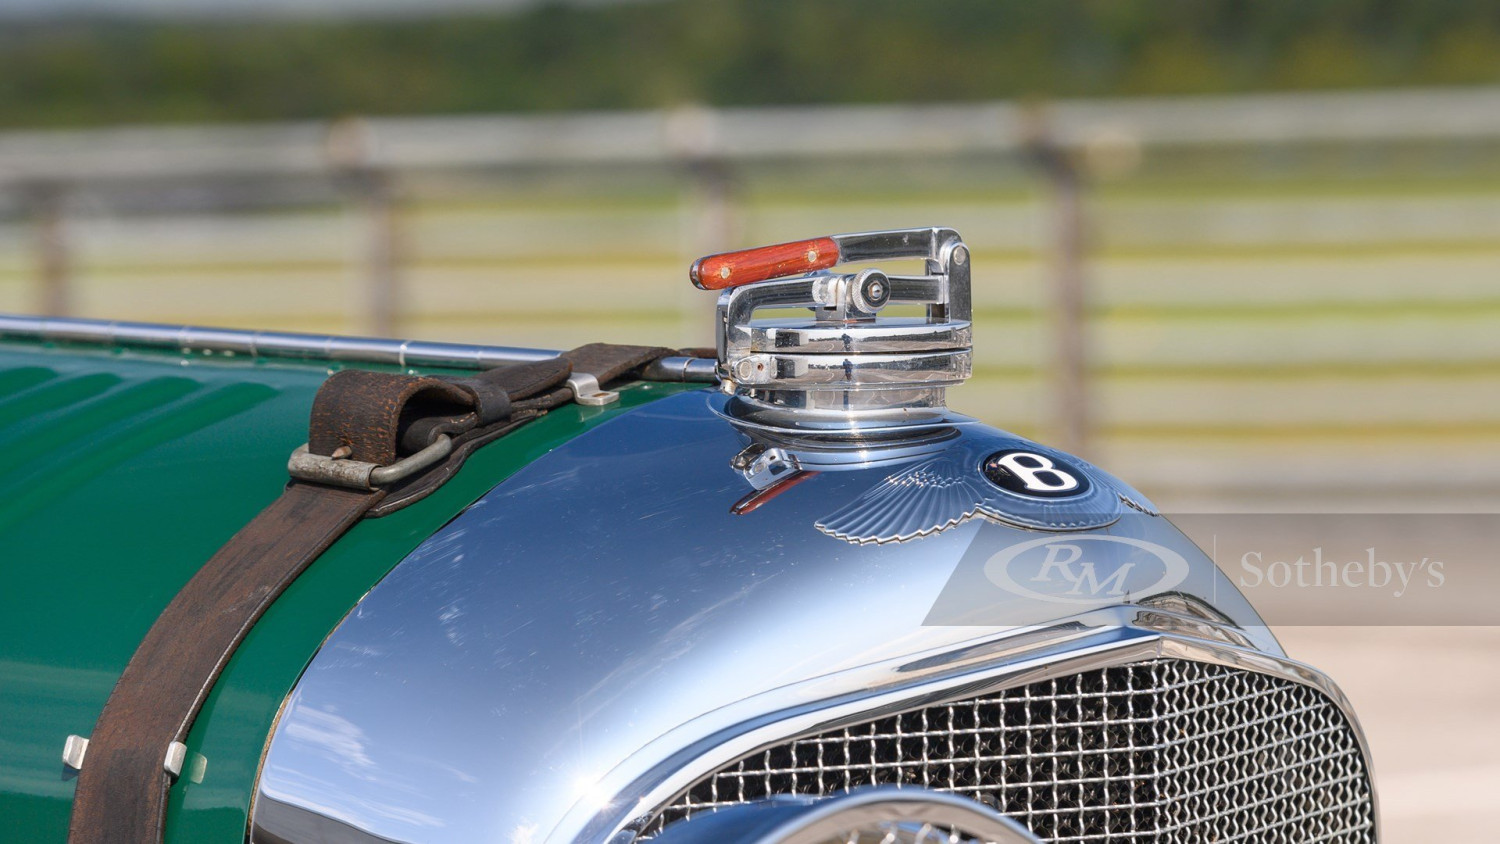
(763, 467)
(586, 390)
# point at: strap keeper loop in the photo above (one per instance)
(74, 749)
(176, 755)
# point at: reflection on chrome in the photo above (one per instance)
(864, 816)
(601, 631)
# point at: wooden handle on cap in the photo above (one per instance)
(731, 269)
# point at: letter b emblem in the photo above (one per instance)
(1034, 474)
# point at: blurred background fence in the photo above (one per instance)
(1253, 301)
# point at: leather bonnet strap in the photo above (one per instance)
(358, 417)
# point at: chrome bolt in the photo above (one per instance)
(871, 291)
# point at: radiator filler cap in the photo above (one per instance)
(847, 368)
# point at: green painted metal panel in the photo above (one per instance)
(120, 474)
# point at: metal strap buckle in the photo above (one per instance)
(356, 474)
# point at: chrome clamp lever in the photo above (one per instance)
(850, 366)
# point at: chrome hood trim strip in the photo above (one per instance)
(278, 344)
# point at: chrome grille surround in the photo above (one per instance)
(1168, 749)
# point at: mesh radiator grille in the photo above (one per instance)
(1161, 751)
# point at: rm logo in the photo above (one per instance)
(1086, 568)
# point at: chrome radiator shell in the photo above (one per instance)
(1163, 750)
(603, 630)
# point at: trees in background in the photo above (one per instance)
(731, 52)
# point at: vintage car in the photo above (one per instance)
(780, 593)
